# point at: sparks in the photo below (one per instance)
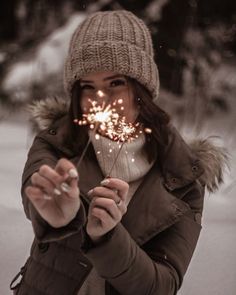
(148, 130)
(105, 120)
(100, 93)
(123, 131)
(98, 114)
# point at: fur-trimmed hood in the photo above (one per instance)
(211, 159)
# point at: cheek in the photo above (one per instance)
(129, 105)
(84, 104)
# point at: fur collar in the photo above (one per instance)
(213, 158)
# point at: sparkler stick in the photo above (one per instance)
(127, 135)
(84, 151)
(117, 156)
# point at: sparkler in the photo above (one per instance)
(105, 120)
(99, 117)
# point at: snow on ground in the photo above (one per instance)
(211, 272)
(15, 230)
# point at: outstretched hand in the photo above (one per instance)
(55, 193)
(107, 207)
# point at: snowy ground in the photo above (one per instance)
(211, 272)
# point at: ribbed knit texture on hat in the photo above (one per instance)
(115, 41)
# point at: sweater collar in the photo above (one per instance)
(127, 161)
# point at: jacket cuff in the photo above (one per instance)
(123, 264)
(101, 255)
(46, 233)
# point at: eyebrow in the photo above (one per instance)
(105, 79)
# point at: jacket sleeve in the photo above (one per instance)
(41, 152)
(156, 267)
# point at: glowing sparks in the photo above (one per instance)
(106, 121)
(122, 131)
(100, 93)
(148, 130)
(99, 114)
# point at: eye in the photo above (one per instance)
(86, 86)
(118, 82)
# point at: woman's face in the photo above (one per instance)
(109, 87)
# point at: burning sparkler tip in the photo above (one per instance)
(100, 93)
(148, 130)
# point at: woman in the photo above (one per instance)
(126, 219)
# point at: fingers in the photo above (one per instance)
(105, 193)
(100, 191)
(50, 174)
(54, 183)
(36, 196)
(106, 210)
(103, 216)
(45, 184)
(121, 186)
(45, 205)
(110, 195)
(107, 206)
(65, 168)
(70, 174)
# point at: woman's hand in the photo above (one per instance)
(55, 193)
(107, 207)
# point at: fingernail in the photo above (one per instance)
(46, 197)
(57, 192)
(73, 173)
(89, 192)
(65, 187)
(105, 182)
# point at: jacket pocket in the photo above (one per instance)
(15, 283)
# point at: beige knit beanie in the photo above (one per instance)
(115, 41)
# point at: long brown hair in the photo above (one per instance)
(150, 115)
